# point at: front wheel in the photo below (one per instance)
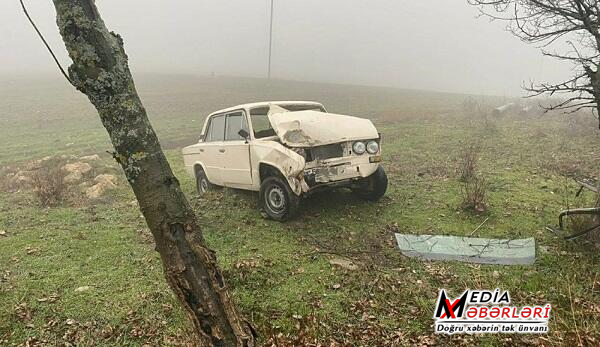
(277, 199)
(203, 185)
(372, 188)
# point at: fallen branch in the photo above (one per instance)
(480, 225)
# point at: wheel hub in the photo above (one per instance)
(276, 198)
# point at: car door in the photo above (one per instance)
(236, 171)
(211, 151)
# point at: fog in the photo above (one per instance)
(436, 45)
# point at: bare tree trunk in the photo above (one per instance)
(100, 71)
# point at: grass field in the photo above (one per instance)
(280, 273)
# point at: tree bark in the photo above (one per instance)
(100, 70)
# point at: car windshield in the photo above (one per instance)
(260, 120)
(303, 107)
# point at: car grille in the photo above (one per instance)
(327, 151)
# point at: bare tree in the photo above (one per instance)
(544, 22)
(100, 70)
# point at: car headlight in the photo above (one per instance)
(372, 147)
(359, 147)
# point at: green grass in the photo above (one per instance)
(279, 273)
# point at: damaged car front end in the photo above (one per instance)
(338, 150)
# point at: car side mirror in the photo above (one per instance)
(244, 134)
(201, 138)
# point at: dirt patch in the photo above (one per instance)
(101, 184)
(77, 171)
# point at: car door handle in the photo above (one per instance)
(201, 149)
(222, 150)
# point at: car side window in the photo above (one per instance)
(216, 129)
(235, 122)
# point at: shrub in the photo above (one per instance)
(474, 187)
(48, 184)
(468, 162)
(474, 194)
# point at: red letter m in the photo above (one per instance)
(452, 310)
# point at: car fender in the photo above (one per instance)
(289, 163)
(193, 168)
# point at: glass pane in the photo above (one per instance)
(235, 122)
(207, 133)
(303, 107)
(260, 122)
(217, 128)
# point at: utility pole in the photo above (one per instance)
(270, 40)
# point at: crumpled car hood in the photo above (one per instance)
(313, 128)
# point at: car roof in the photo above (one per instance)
(265, 103)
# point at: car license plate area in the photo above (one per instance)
(335, 173)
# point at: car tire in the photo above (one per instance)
(203, 185)
(372, 188)
(277, 199)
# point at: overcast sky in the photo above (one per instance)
(425, 44)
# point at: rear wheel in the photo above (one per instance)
(372, 188)
(277, 199)
(203, 185)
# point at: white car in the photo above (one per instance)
(287, 150)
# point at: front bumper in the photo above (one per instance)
(338, 171)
